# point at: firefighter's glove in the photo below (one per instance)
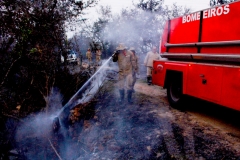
(115, 53)
(115, 56)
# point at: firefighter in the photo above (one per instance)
(136, 68)
(98, 56)
(126, 65)
(148, 62)
(89, 55)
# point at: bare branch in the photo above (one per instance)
(8, 71)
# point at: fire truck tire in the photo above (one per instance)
(174, 93)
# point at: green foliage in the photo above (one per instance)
(33, 50)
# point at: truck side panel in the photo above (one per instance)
(218, 24)
(205, 82)
(214, 83)
(179, 34)
(222, 27)
(231, 87)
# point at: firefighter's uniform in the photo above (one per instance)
(98, 56)
(136, 68)
(126, 64)
(89, 56)
(148, 62)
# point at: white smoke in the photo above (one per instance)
(38, 128)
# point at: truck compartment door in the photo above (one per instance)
(231, 87)
(204, 81)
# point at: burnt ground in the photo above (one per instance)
(202, 130)
(147, 129)
(150, 129)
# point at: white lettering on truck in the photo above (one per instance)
(213, 12)
(191, 17)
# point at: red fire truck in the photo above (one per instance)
(201, 57)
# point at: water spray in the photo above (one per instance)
(91, 86)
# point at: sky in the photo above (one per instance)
(117, 5)
(195, 5)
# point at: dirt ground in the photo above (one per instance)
(201, 131)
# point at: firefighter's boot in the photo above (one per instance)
(129, 96)
(121, 92)
(149, 80)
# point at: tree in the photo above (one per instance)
(90, 33)
(98, 29)
(219, 2)
(32, 40)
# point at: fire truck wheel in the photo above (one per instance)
(174, 93)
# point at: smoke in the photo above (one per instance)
(37, 128)
(40, 128)
(38, 125)
(135, 28)
(140, 28)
